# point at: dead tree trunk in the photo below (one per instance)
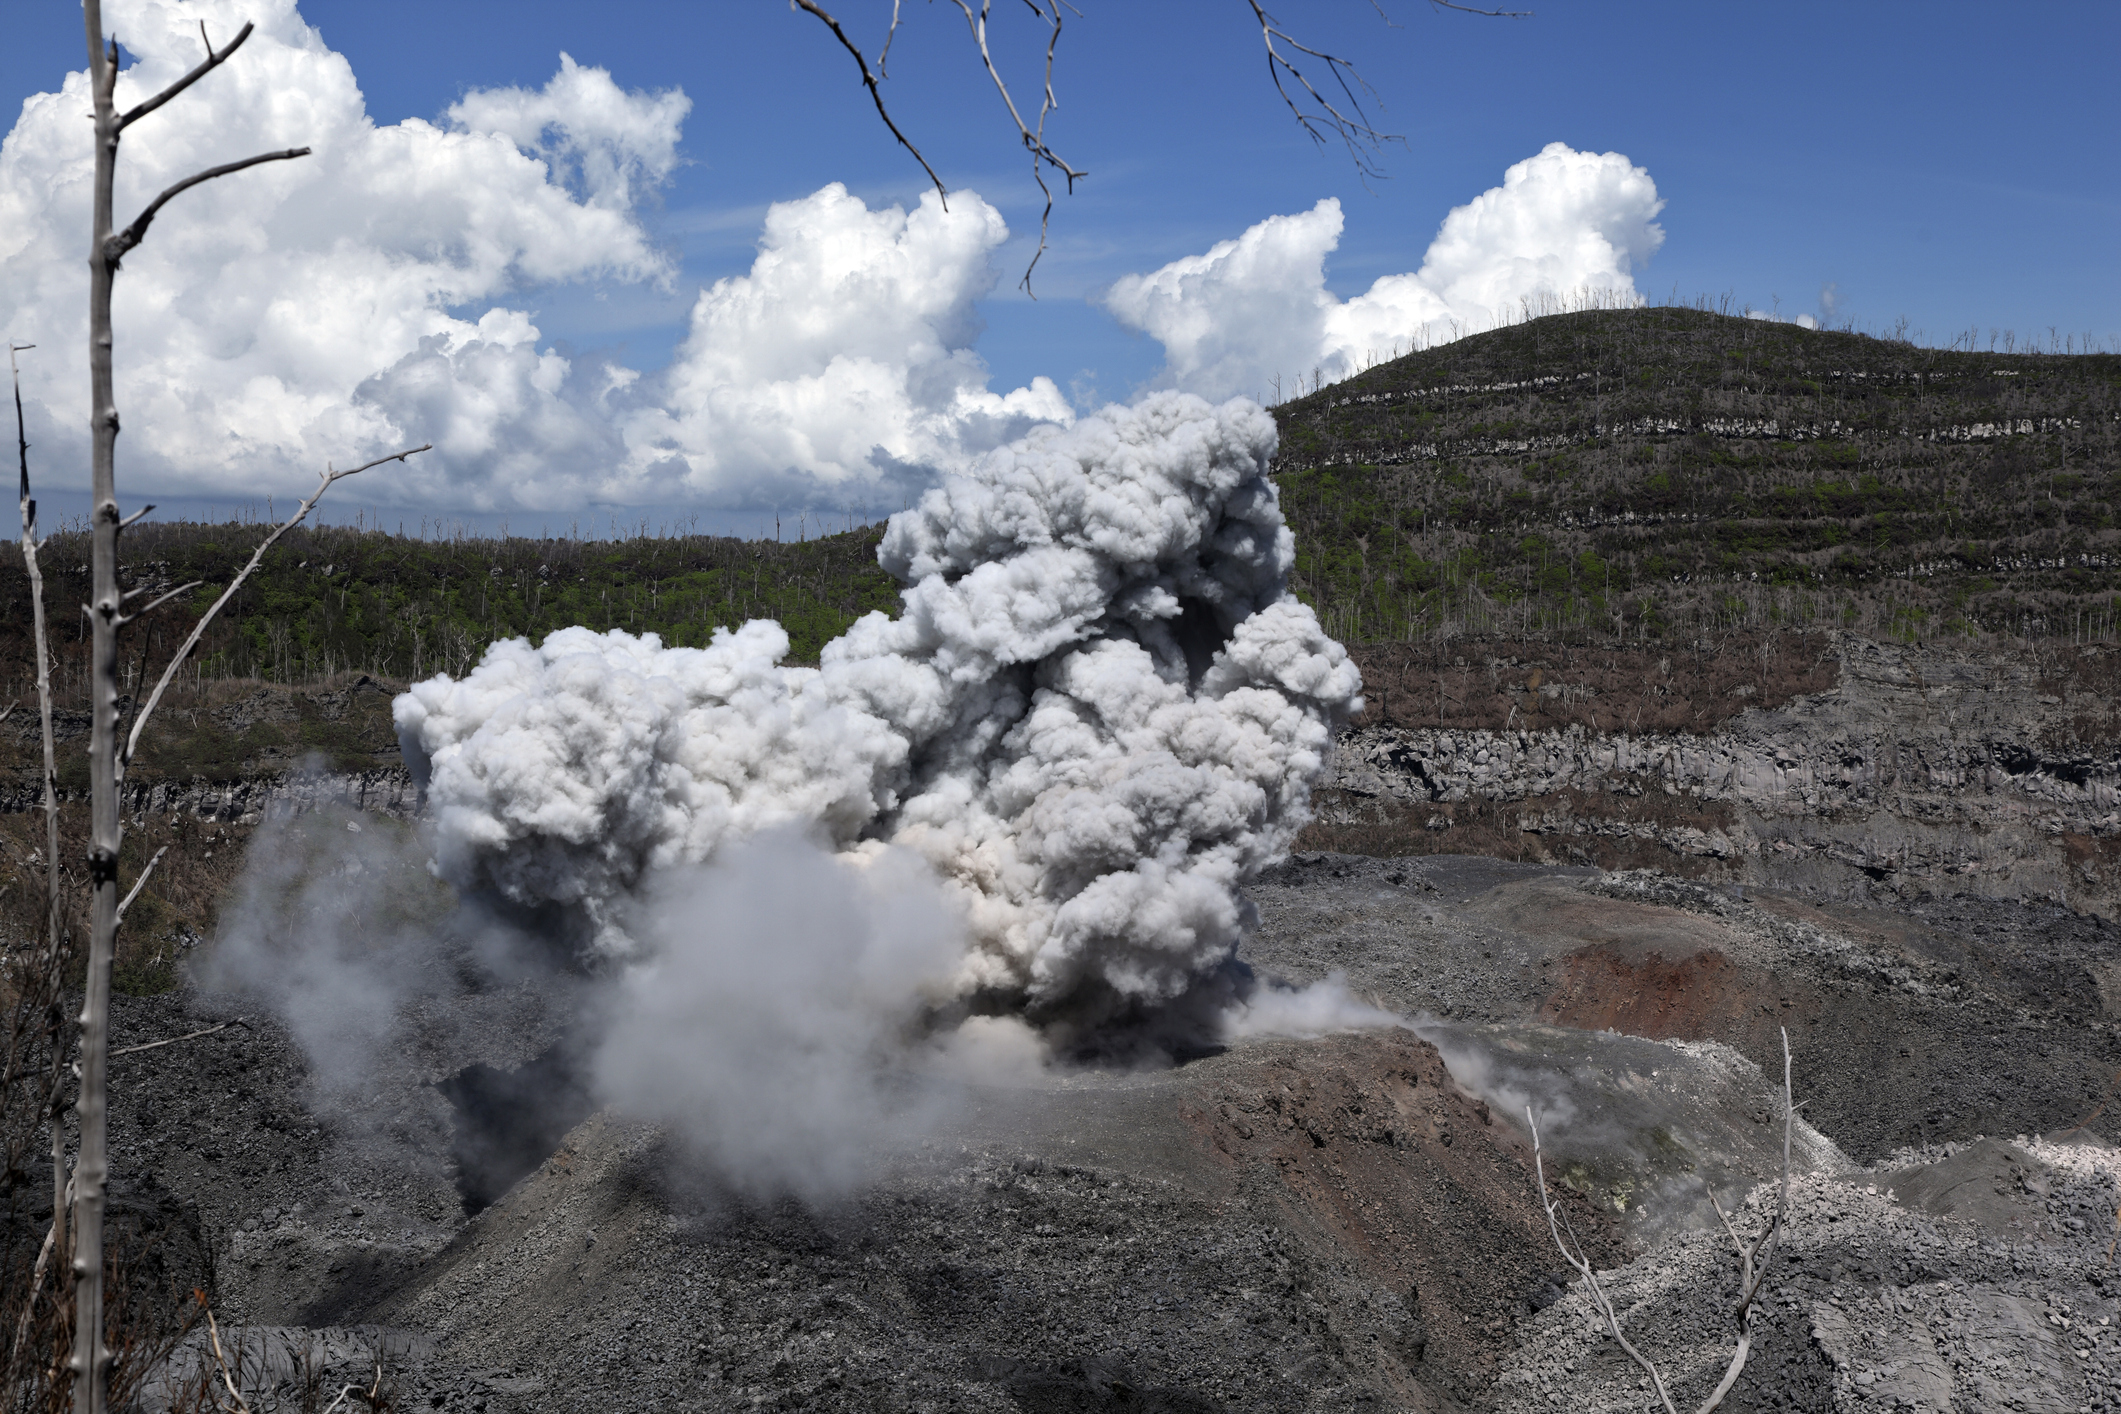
(108, 757)
(91, 1362)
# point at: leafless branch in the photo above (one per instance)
(883, 57)
(162, 599)
(214, 59)
(1353, 127)
(139, 884)
(1469, 10)
(187, 1036)
(213, 1330)
(324, 481)
(36, 1284)
(243, 1022)
(1580, 1261)
(1034, 139)
(115, 247)
(138, 515)
(876, 94)
(54, 958)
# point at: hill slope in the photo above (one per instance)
(1659, 472)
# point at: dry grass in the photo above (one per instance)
(179, 908)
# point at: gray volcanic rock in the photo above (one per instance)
(1348, 1222)
(1924, 770)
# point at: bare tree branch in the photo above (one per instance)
(51, 965)
(1034, 140)
(139, 884)
(883, 57)
(876, 94)
(115, 247)
(324, 481)
(1753, 1258)
(214, 59)
(187, 1036)
(1465, 10)
(1578, 1259)
(1353, 128)
(162, 599)
(213, 1330)
(241, 1021)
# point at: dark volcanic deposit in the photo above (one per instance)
(1343, 1222)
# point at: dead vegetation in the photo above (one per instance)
(1529, 685)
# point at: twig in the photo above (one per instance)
(161, 599)
(883, 57)
(54, 944)
(1034, 141)
(1360, 137)
(36, 1284)
(1581, 1263)
(325, 479)
(212, 61)
(139, 884)
(187, 1036)
(214, 1331)
(876, 94)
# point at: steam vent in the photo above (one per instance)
(1110, 937)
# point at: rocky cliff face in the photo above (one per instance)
(380, 790)
(1922, 771)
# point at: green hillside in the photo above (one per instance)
(1603, 477)
(1655, 472)
(334, 600)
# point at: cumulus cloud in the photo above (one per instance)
(373, 295)
(1565, 228)
(269, 318)
(842, 360)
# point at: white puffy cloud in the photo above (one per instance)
(1802, 321)
(1565, 228)
(608, 144)
(270, 317)
(371, 296)
(842, 357)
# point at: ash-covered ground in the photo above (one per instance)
(1345, 1222)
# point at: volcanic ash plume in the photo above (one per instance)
(1099, 712)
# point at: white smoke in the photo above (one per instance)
(1305, 1013)
(770, 1017)
(331, 928)
(1564, 229)
(1098, 714)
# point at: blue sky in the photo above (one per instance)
(1954, 165)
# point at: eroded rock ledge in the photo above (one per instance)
(1921, 770)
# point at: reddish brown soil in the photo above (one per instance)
(1375, 1153)
(1695, 997)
